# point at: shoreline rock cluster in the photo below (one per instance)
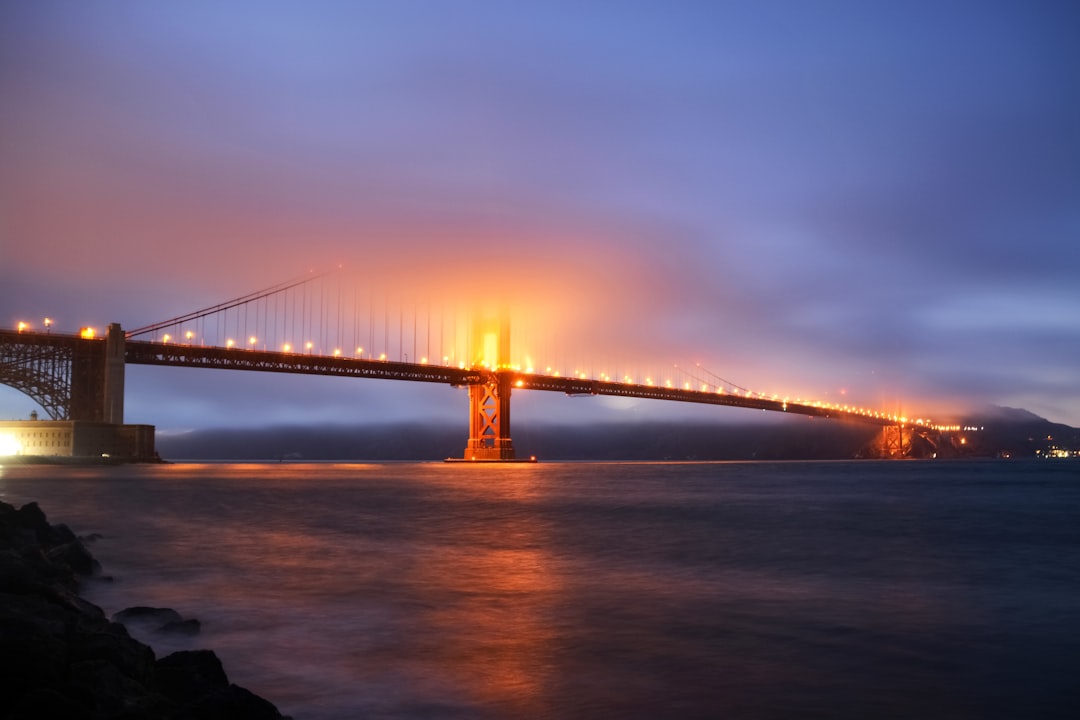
(60, 656)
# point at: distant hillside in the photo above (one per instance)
(1005, 431)
(1017, 433)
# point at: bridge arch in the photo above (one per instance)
(49, 389)
(64, 374)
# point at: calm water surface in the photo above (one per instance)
(730, 590)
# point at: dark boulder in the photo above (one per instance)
(161, 621)
(147, 615)
(228, 704)
(190, 674)
(61, 657)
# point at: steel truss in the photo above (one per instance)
(61, 373)
(150, 353)
(575, 386)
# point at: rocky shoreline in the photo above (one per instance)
(60, 656)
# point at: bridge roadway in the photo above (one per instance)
(36, 362)
(155, 353)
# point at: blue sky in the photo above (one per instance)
(874, 201)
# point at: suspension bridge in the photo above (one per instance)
(319, 325)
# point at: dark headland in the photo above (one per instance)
(61, 657)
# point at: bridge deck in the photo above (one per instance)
(29, 351)
(151, 353)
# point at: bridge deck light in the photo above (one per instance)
(23, 326)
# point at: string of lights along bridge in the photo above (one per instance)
(324, 315)
(324, 323)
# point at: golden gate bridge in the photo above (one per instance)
(317, 324)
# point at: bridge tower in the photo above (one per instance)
(896, 441)
(489, 402)
(112, 391)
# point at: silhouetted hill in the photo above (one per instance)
(1017, 433)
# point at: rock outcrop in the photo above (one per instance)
(60, 656)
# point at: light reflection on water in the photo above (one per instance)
(826, 590)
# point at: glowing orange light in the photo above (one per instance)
(23, 326)
(286, 347)
(189, 334)
(87, 333)
(229, 343)
(252, 340)
(337, 352)
(166, 338)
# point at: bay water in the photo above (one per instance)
(902, 589)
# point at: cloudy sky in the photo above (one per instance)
(874, 202)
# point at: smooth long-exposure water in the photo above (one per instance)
(578, 590)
